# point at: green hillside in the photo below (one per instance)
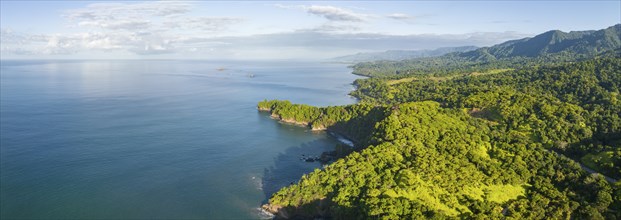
(472, 140)
(473, 147)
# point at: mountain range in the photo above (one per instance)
(551, 44)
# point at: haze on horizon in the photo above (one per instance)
(277, 30)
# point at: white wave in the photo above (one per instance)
(342, 139)
(345, 141)
(264, 214)
(257, 181)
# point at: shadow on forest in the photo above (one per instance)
(599, 143)
(289, 167)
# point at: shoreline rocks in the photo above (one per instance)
(275, 210)
(318, 209)
(291, 121)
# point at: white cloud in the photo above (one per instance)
(322, 42)
(331, 13)
(332, 28)
(59, 45)
(116, 25)
(169, 28)
(288, 6)
(400, 16)
(148, 16)
(111, 11)
(335, 14)
(339, 20)
(312, 44)
(203, 23)
(103, 41)
(140, 28)
(9, 37)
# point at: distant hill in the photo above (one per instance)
(401, 54)
(550, 44)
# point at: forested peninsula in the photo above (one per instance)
(527, 129)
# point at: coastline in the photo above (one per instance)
(338, 135)
(279, 212)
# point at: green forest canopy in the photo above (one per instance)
(473, 140)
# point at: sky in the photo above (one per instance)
(278, 29)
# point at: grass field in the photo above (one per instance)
(434, 78)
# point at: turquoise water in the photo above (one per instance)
(154, 139)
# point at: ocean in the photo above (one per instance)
(146, 139)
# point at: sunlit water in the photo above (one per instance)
(154, 139)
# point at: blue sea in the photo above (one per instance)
(149, 139)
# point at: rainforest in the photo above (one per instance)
(519, 130)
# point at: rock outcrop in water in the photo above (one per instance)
(319, 209)
(275, 210)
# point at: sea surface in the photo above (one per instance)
(146, 139)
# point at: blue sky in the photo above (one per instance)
(278, 30)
